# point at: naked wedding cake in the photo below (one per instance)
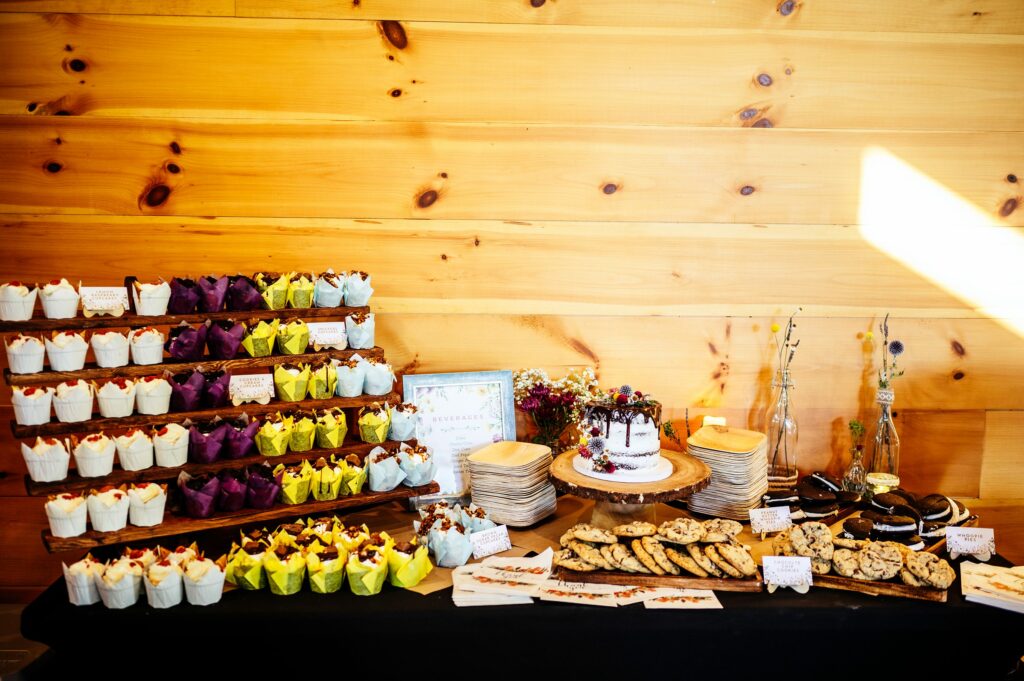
(622, 438)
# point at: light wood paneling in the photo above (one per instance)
(1001, 475)
(24, 561)
(941, 451)
(127, 65)
(398, 170)
(164, 7)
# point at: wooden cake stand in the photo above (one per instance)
(622, 502)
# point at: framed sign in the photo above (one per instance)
(457, 414)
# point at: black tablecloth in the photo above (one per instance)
(824, 632)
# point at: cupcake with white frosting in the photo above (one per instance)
(151, 298)
(147, 345)
(94, 456)
(72, 400)
(152, 395)
(204, 581)
(31, 405)
(120, 584)
(170, 444)
(116, 398)
(146, 504)
(108, 508)
(25, 354)
(80, 580)
(110, 349)
(47, 460)
(134, 450)
(60, 299)
(66, 350)
(163, 584)
(16, 301)
(182, 555)
(67, 514)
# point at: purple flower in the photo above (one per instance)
(243, 295)
(185, 343)
(184, 296)
(896, 348)
(212, 293)
(224, 338)
(626, 390)
(596, 446)
(200, 493)
(530, 404)
(186, 391)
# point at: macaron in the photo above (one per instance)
(813, 494)
(858, 528)
(824, 481)
(782, 497)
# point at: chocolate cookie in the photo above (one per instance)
(894, 526)
(824, 481)
(846, 497)
(872, 515)
(933, 529)
(817, 511)
(782, 497)
(934, 507)
(886, 501)
(908, 511)
(858, 528)
(813, 494)
(908, 496)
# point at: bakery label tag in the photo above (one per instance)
(490, 541)
(770, 520)
(104, 299)
(326, 334)
(792, 571)
(251, 388)
(979, 542)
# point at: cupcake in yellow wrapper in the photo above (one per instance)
(352, 537)
(245, 566)
(303, 431)
(323, 527)
(326, 569)
(300, 290)
(286, 570)
(274, 288)
(294, 482)
(287, 534)
(355, 475)
(293, 337)
(331, 428)
(374, 422)
(367, 569)
(291, 381)
(408, 564)
(274, 436)
(259, 336)
(323, 378)
(382, 541)
(325, 484)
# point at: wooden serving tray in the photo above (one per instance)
(898, 589)
(752, 584)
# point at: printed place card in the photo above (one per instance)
(104, 298)
(326, 334)
(490, 541)
(792, 571)
(769, 520)
(251, 388)
(979, 542)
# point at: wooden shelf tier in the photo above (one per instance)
(76, 483)
(37, 323)
(93, 372)
(174, 525)
(138, 420)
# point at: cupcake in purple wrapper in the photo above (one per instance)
(215, 394)
(243, 294)
(206, 441)
(212, 293)
(200, 493)
(224, 338)
(187, 390)
(184, 296)
(185, 343)
(233, 487)
(240, 440)
(263, 486)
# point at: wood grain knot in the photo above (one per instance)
(1011, 178)
(610, 188)
(156, 195)
(958, 348)
(444, 175)
(427, 198)
(32, 106)
(396, 92)
(764, 80)
(394, 33)
(53, 167)
(63, 112)
(68, 48)
(58, 140)
(356, 3)
(77, 65)
(1008, 207)
(958, 375)
(747, 114)
(786, 8)
(747, 190)
(175, 147)
(537, 3)
(173, 168)
(763, 123)
(444, 257)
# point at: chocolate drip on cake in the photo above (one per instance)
(625, 414)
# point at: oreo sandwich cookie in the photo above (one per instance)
(845, 497)
(933, 529)
(812, 494)
(934, 507)
(894, 527)
(824, 481)
(886, 501)
(819, 511)
(782, 497)
(873, 515)
(857, 528)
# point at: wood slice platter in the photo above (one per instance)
(898, 589)
(689, 475)
(174, 525)
(251, 409)
(92, 372)
(753, 584)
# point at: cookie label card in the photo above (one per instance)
(684, 599)
(792, 571)
(326, 334)
(490, 541)
(103, 300)
(769, 520)
(251, 388)
(979, 542)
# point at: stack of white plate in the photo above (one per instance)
(510, 481)
(738, 460)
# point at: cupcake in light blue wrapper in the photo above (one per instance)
(359, 328)
(351, 376)
(418, 465)
(380, 377)
(403, 422)
(384, 470)
(449, 542)
(474, 519)
(357, 289)
(329, 290)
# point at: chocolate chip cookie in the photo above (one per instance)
(682, 530)
(738, 557)
(635, 529)
(686, 562)
(587, 532)
(657, 552)
(702, 560)
(720, 530)
(813, 540)
(711, 551)
(627, 560)
(567, 559)
(930, 569)
(645, 558)
(880, 560)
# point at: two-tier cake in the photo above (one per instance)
(622, 440)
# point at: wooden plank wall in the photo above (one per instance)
(643, 187)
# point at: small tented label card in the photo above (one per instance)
(979, 542)
(96, 300)
(792, 571)
(327, 334)
(769, 520)
(490, 541)
(251, 388)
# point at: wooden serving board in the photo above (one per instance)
(900, 590)
(689, 475)
(751, 584)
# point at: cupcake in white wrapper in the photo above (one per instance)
(94, 456)
(59, 298)
(120, 584)
(152, 395)
(31, 405)
(147, 346)
(66, 351)
(47, 460)
(170, 444)
(134, 450)
(144, 556)
(67, 514)
(357, 289)
(116, 398)
(151, 299)
(17, 301)
(110, 349)
(351, 376)
(163, 584)
(108, 509)
(181, 555)
(204, 581)
(359, 328)
(25, 354)
(72, 401)
(80, 580)
(146, 504)
(380, 377)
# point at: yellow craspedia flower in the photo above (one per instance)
(775, 328)
(583, 440)
(869, 335)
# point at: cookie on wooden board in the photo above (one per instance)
(646, 558)
(657, 552)
(627, 560)
(587, 532)
(637, 528)
(567, 559)
(686, 562)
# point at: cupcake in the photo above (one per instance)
(25, 354)
(16, 301)
(146, 504)
(110, 349)
(181, 555)
(80, 578)
(31, 405)
(67, 514)
(151, 298)
(291, 382)
(184, 296)
(72, 401)
(134, 450)
(108, 508)
(380, 377)
(120, 584)
(66, 351)
(403, 422)
(213, 292)
(116, 398)
(204, 581)
(417, 463)
(243, 294)
(152, 395)
(185, 343)
(329, 290)
(94, 456)
(47, 460)
(359, 327)
(351, 377)
(170, 444)
(145, 557)
(163, 584)
(60, 299)
(147, 345)
(357, 289)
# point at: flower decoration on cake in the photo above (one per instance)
(621, 431)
